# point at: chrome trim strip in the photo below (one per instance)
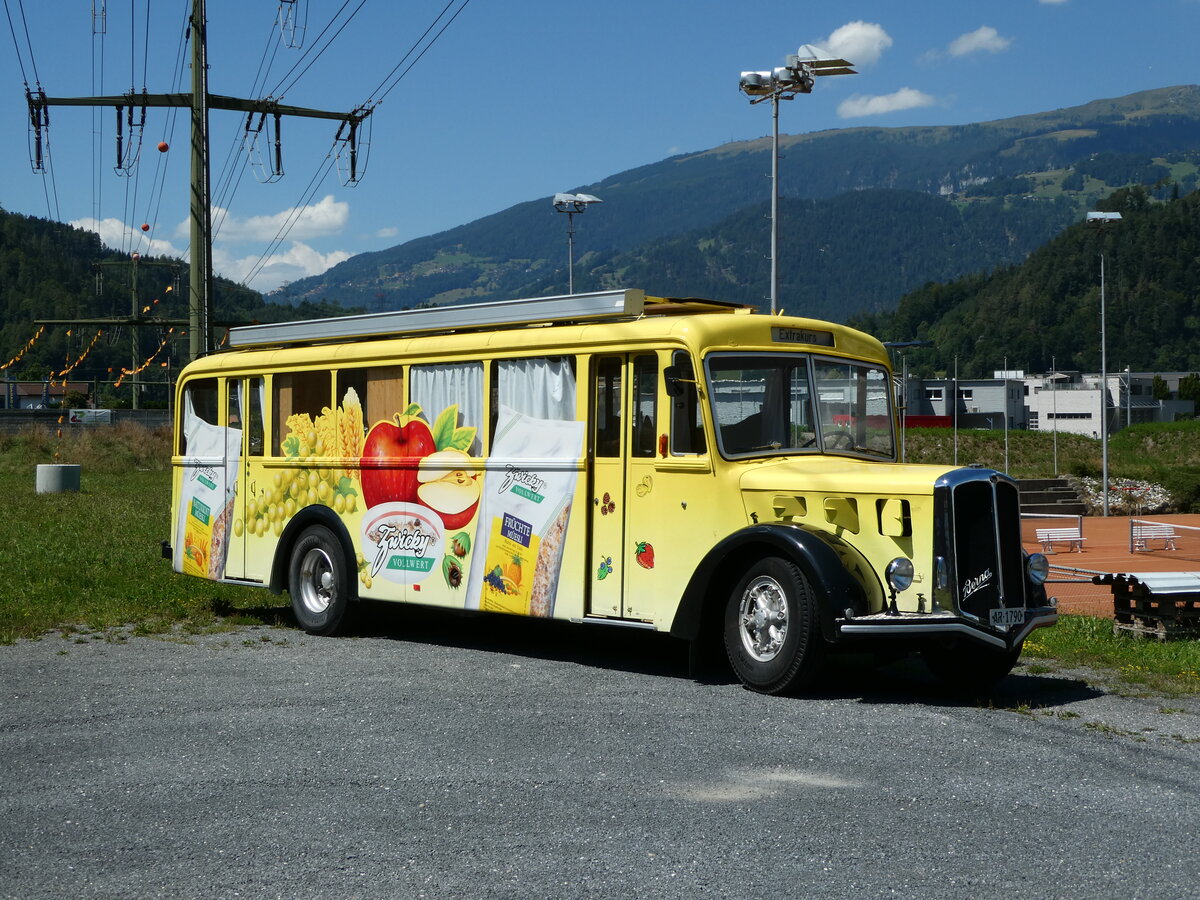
(617, 623)
(1038, 621)
(925, 628)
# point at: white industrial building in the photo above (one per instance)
(1069, 402)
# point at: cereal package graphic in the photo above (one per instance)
(524, 514)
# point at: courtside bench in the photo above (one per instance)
(1072, 537)
(1164, 533)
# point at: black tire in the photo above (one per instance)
(772, 634)
(969, 669)
(319, 581)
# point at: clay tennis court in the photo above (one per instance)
(1106, 549)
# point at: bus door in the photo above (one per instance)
(243, 468)
(623, 422)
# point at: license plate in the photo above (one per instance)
(1003, 618)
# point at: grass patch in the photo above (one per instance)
(86, 563)
(1162, 667)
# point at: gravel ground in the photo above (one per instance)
(451, 756)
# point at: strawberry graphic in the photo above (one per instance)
(643, 553)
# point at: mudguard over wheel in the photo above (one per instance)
(319, 581)
(969, 669)
(772, 633)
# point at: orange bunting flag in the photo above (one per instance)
(82, 355)
(144, 365)
(33, 340)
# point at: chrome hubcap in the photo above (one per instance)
(316, 581)
(763, 618)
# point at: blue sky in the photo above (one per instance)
(515, 100)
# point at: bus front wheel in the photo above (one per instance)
(318, 581)
(772, 634)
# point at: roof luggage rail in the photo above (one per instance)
(561, 309)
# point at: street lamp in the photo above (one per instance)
(796, 76)
(1101, 219)
(572, 204)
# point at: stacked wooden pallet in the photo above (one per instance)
(1155, 604)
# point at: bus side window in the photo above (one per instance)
(295, 394)
(233, 403)
(436, 388)
(379, 389)
(687, 425)
(645, 406)
(607, 417)
(254, 420)
(199, 402)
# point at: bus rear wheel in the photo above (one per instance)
(318, 581)
(772, 634)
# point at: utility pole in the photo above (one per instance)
(200, 101)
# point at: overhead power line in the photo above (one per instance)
(384, 87)
(199, 101)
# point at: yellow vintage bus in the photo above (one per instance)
(679, 465)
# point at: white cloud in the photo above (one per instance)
(985, 38)
(861, 105)
(861, 43)
(116, 235)
(298, 261)
(327, 217)
(389, 232)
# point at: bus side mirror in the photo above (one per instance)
(675, 381)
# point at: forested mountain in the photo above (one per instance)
(694, 224)
(854, 252)
(1048, 308)
(51, 271)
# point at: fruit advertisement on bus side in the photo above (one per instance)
(430, 522)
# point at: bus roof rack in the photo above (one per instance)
(472, 317)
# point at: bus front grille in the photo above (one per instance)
(978, 535)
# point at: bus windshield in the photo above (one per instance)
(787, 403)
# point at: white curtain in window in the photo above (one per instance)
(541, 388)
(437, 387)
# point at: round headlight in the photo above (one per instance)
(1038, 568)
(900, 574)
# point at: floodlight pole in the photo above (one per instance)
(775, 95)
(1103, 392)
(1102, 218)
(1054, 407)
(795, 77)
(572, 204)
(570, 251)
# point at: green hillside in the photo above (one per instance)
(853, 252)
(53, 271)
(1048, 308)
(673, 210)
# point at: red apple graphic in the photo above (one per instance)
(449, 487)
(390, 456)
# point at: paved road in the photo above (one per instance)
(442, 756)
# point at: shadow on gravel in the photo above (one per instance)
(854, 677)
(597, 646)
(851, 676)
